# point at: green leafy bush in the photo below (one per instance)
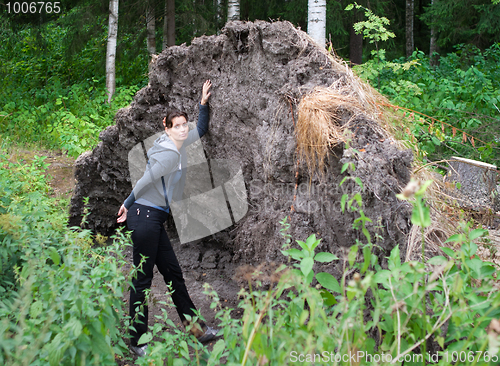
(406, 312)
(58, 100)
(380, 315)
(452, 108)
(61, 300)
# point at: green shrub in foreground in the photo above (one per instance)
(67, 310)
(377, 316)
(62, 301)
(374, 316)
(62, 304)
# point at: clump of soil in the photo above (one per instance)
(260, 71)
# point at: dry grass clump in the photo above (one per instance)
(263, 275)
(318, 125)
(321, 110)
(443, 226)
(446, 215)
(350, 85)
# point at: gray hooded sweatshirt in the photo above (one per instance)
(164, 178)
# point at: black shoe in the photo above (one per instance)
(209, 334)
(139, 350)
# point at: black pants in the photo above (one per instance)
(150, 240)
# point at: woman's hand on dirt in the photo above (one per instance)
(206, 93)
(122, 214)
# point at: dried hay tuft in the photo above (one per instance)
(319, 112)
(442, 228)
(443, 225)
(350, 85)
(446, 216)
(318, 125)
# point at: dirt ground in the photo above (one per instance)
(60, 169)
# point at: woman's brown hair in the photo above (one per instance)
(172, 114)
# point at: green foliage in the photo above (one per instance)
(462, 94)
(404, 305)
(362, 220)
(464, 21)
(374, 28)
(285, 226)
(374, 316)
(292, 319)
(194, 19)
(305, 260)
(61, 299)
(169, 345)
(70, 121)
(295, 11)
(59, 101)
(420, 214)
(66, 308)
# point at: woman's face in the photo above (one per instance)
(179, 130)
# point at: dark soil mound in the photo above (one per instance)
(259, 71)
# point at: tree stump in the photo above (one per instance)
(477, 187)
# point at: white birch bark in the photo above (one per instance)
(233, 10)
(111, 49)
(316, 20)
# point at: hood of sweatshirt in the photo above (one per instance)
(160, 145)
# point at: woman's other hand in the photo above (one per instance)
(122, 214)
(206, 92)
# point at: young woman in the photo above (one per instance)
(146, 210)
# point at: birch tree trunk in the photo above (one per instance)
(316, 20)
(111, 49)
(410, 46)
(150, 28)
(233, 10)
